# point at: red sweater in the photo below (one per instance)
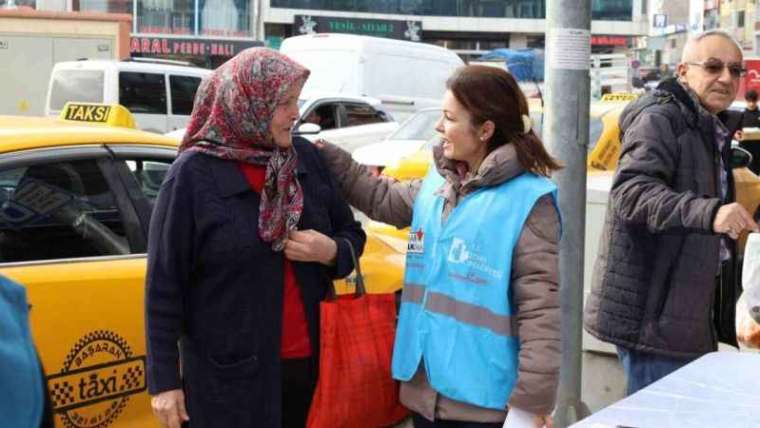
(295, 333)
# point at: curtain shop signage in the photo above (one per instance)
(188, 46)
(403, 30)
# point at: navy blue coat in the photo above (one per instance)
(215, 287)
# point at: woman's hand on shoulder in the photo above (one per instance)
(321, 143)
(310, 246)
(169, 407)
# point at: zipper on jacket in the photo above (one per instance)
(717, 312)
(717, 301)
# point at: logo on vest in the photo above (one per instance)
(416, 244)
(461, 253)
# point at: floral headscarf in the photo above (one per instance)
(231, 119)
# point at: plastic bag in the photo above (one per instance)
(748, 306)
(355, 387)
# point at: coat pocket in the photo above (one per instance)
(233, 368)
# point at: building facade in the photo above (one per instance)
(671, 22)
(204, 32)
(469, 27)
(738, 17)
(207, 32)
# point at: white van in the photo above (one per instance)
(404, 76)
(158, 93)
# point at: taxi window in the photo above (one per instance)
(143, 92)
(149, 175)
(58, 210)
(76, 85)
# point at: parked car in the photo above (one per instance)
(405, 76)
(350, 122)
(411, 136)
(158, 93)
(412, 142)
(76, 198)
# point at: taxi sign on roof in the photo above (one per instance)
(619, 97)
(109, 114)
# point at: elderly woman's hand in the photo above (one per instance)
(169, 407)
(310, 246)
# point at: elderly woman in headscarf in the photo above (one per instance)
(247, 233)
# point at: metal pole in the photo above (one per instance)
(196, 18)
(257, 33)
(568, 44)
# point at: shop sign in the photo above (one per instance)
(660, 20)
(609, 41)
(162, 46)
(403, 30)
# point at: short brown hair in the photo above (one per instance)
(491, 93)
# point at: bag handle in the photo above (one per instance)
(360, 288)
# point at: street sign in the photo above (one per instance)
(402, 30)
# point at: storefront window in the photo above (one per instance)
(226, 18)
(109, 6)
(712, 19)
(165, 16)
(12, 4)
(612, 10)
(615, 10)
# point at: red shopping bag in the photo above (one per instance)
(355, 388)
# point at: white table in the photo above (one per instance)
(720, 389)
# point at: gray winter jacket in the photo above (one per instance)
(654, 282)
(534, 279)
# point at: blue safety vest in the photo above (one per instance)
(456, 310)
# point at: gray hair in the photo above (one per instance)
(694, 40)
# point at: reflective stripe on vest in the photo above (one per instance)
(463, 312)
(413, 293)
(455, 310)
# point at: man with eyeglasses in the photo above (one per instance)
(663, 288)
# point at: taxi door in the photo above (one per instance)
(71, 235)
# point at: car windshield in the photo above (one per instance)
(76, 85)
(421, 126)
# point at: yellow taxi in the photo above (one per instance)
(76, 194)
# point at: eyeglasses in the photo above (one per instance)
(716, 66)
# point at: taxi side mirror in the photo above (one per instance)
(308, 129)
(740, 158)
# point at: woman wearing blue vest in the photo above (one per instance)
(478, 330)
